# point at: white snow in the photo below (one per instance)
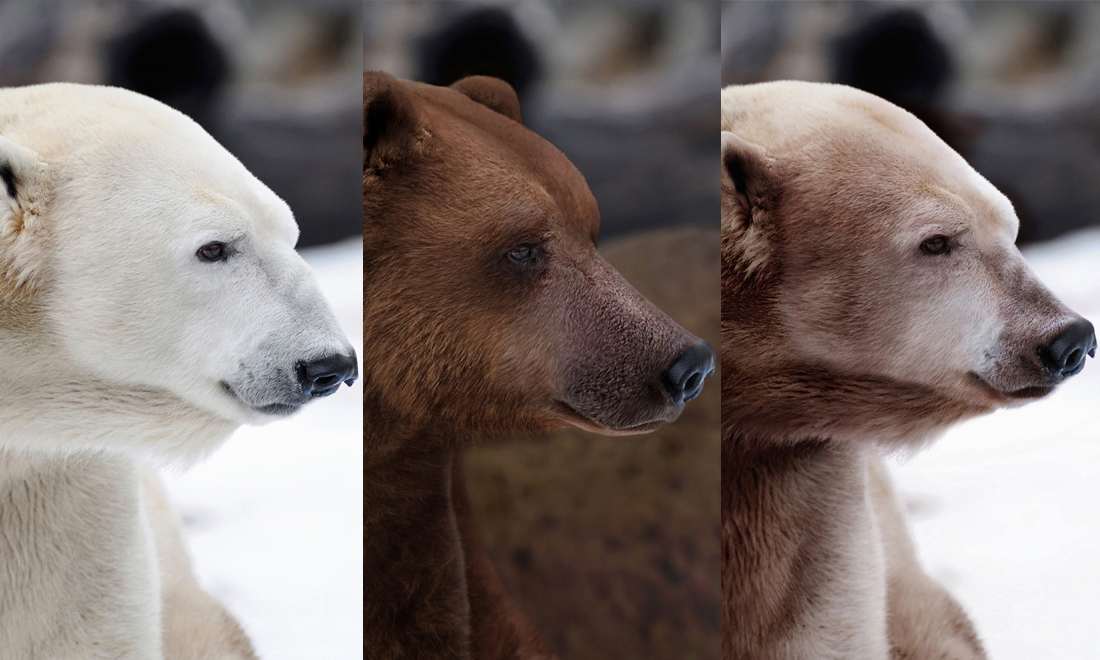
(1005, 509)
(274, 519)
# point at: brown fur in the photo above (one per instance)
(781, 508)
(497, 628)
(631, 526)
(840, 336)
(461, 343)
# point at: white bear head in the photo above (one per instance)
(150, 294)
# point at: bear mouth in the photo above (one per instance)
(278, 409)
(1030, 392)
(574, 417)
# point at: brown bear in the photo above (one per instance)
(871, 296)
(487, 311)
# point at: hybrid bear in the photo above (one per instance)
(872, 296)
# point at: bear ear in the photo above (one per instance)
(492, 93)
(18, 167)
(746, 176)
(749, 186)
(21, 198)
(393, 131)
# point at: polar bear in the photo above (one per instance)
(150, 302)
(871, 297)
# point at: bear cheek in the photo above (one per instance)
(531, 356)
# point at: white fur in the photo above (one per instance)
(118, 343)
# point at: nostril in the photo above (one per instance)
(684, 379)
(1074, 357)
(329, 381)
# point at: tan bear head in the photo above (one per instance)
(871, 285)
(488, 308)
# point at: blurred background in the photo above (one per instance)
(1003, 507)
(609, 544)
(273, 518)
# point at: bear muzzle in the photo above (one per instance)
(1033, 373)
(637, 399)
(285, 391)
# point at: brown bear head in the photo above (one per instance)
(487, 307)
(871, 285)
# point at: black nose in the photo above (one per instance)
(684, 379)
(322, 377)
(1065, 355)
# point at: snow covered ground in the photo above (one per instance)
(274, 519)
(1006, 508)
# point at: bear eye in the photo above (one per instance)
(522, 254)
(935, 245)
(212, 252)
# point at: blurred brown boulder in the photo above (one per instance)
(611, 544)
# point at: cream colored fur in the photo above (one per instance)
(119, 345)
(195, 626)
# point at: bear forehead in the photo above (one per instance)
(88, 113)
(785, 115)
(104, 141)
(864, 158)
(478, 150)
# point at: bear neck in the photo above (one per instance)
(798, 528)
(65, 418)
(769, 399)
(414, 569)
(47, 408)
(802, 553)
(783, 404)
(387, 433)
(86, 507)
(430, 589)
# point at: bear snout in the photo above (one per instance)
(274, 390)
(632, 393)
(684, 379)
